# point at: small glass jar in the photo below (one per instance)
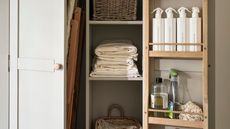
(159, 95)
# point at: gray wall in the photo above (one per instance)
(219, 45)
(222, 64)
(4, 40)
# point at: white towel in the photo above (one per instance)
(120, 48)
(115, 59)
(128, 62)
(115, 72)
(114, 66)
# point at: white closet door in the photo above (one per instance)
(37, 89)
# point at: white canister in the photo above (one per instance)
(158, 30)
(182, 29)
(195, 30)
(170, 29)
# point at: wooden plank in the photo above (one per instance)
(88, 105)
(146, 32)
(78, 70)
(175, 112)
(72, 65)
(192, 55)
(198, 44)
(205, 62)
(175, 122)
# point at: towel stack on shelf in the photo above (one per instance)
(115, 59)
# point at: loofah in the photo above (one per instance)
(191, 108)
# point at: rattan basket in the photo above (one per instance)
(114, 122)
(115, 10)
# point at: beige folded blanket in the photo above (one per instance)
(116, 48)
(128, 62)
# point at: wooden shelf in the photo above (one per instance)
(181, 44)
(163, 54)
(115, 22)
(175, 122)
(175, 112)
(115, 79)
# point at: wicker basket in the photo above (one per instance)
(112, 122)
(116, 10)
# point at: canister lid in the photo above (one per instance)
(158, 80)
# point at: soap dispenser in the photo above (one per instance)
(195, 29)
(158, 30)
(182, 29)
(170, 29)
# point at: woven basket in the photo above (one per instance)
(112, 122)
(116, 10)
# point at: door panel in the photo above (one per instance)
(41, 28)
(37, 49)
(41, 100)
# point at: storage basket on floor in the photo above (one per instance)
(114, 122)
(116, 10)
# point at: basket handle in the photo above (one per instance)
(115, 106)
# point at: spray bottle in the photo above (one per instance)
(182, 29)
(170, 29)
(195, 29)
(173, 92)
(158, 30)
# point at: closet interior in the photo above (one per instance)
(104, 91)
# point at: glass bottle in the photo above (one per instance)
(159, 97)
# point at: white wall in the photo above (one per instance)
(4, 40)
(222, 61)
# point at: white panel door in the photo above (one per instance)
(37, 49)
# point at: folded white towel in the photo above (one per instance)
(121, 48)
(116, 71)
(115, 74)
(131, 72)
(115, 58)
(114, 66)
(128, 62)
(105, 75)
(118, 56)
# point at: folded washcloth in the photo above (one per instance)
(120, 48)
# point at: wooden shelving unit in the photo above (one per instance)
(115, 22)
(150, 57)
(188, 55)
(175, 122)
(115, 79)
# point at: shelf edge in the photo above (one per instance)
(175, 122)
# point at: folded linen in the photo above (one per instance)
(128, 62)
(105, 75)
(114, 66)
(114, 74)
(116, 71)
(132, 72)
(116, 58)
(116, 47)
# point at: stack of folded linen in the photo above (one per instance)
(115, 59)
